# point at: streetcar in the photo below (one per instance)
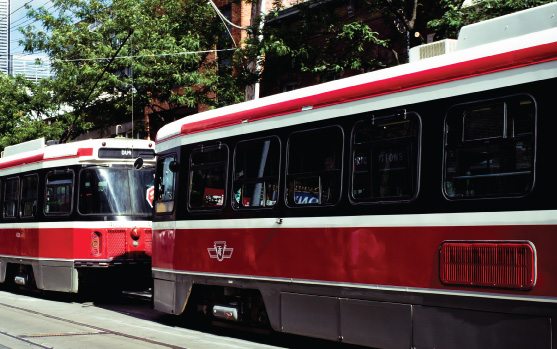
(411, 207)
(77, 215)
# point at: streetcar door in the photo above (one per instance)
(164, 225)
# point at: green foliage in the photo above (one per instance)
(102, 51)
(315, 40)
(455, 16)
(25, 111)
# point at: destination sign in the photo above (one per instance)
(126, 153)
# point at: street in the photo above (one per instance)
(59, 321)
(53, 321)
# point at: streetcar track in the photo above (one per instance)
(99, 330)
(24, 340)
(67, 334)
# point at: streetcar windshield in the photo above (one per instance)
(116, 191)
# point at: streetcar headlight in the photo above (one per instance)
(135, 234)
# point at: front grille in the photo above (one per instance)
(116, 242)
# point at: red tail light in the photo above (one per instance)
(497, 264)
(96, 247)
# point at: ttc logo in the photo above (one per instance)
(219, 251)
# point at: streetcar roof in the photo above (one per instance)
(518, 40)
(36, 154)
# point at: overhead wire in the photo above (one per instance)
(17, 9)
(223, 17)
(143, 56)
(226, 21)
(26, 21)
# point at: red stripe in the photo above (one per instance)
(452, 72)
(22, 161)
(84, 152)
(81, 152)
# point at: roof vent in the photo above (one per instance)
(35, 144)
(433, 49)
(509, 26)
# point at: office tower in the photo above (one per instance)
(4, 35)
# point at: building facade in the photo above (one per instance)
(32, 67)
(4, 36)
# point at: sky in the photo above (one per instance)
(19, 19)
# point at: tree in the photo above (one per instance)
(111, 56)
(26, 112)
(312, 41)
(456, 14)
(318, 41)
(331, 39)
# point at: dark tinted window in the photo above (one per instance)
(256, 173)
(59, 192)
(29, 194)
(385, 154)
(208, 167)
(489, 148)
(314, 170)
(11, 196)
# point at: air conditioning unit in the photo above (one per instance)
(433, 49)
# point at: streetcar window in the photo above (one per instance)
(29, 195)
(115, 191)
(489, 148)
(314, 170)
(59, 192)
(256, 173)
(11, 197)
(166, 177)
(385, 158)
(208, 166)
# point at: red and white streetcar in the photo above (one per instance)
(411, 207)
(76, 212)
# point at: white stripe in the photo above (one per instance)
(38, 166)
(368, 286)
(455, 88)
(548, 217)
(67, 162)
(78, 225)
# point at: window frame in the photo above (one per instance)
(256, 180)
(308, 175)
(72, 203)
(160, 160)
(418, 160)
(201, 148)
(21, 202)
(16, 213)
(493, 100)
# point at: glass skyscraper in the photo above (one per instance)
(4, 35)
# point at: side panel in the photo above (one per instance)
(451, 328)
(171, 292)
(56, 276)
(308, 315)
(376, 324)
(3, 269)
(377, 257)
